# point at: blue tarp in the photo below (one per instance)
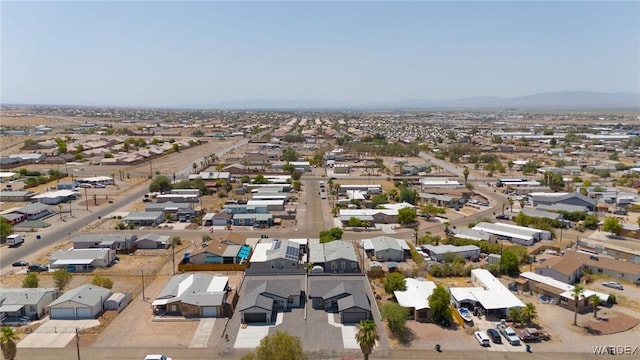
(245, 251)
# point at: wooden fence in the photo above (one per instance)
(211, 267)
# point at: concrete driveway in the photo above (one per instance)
(56, 333)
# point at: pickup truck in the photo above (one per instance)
(510, 335)
(533, 334)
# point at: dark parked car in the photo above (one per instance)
(502, 217)
(38, 268)
(494, 336)
(20, 263)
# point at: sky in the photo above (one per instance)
(202, 53)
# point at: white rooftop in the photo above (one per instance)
(417, 293)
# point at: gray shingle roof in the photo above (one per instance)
(88, 295)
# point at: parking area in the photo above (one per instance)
(56, 333)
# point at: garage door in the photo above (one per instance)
(209, 311)
(62, 313)
(255, 317)
(84, 313)
(353, 317)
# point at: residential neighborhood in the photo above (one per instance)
(235, 232)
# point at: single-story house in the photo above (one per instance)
(385, 248)
(84, 302)
(440, 252)
(34, 211)
(570, 267)
(416, 298)
(81, 259)
(336, 256)
(346, 296)
(217, 252)
(16, 196)
(261, 220)
(574, 198)
(55, 197)
(560, 291)
(222, 218)
(378, 216)
(105, 241)
(153, 241)
(193, 295)
(272, 256)
(263, 298)
(20, 304)
(144, 218)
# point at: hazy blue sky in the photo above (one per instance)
(169, 54)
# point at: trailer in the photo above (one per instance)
(14, 240)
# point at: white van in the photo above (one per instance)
(482, 338)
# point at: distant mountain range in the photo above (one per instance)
(562, 100)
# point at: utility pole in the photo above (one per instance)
(173, 255)
(86, 199)
(78, 343)
(142, 276)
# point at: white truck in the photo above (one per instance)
(14, 240)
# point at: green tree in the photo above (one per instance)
(612, 225)
(8, 343)
(160, 184)
(289, 155)
(576, 292)
(5, 228)
(260, 179)
(439, 303)
(407, 195)
(595, 302)
(334, 233)
(289, 168)
(394, 281)
(407, 215)
(509, 263)
(354, 222)
(396, 317)
(61, 278)
(515, 315)
(366, 336)
(102, 281)
(30, 281)
(529, 313)
(280, 346)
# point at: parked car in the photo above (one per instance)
(510, 335)
(620, 211)
(482, 338)
(20, 263)
(502, 217)
(494, 336)
(156, 357)
(533, 334)
(613, 284)
(38, 268)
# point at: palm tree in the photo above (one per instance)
(515, 315)
(465, 173)
(529, 312)
(577, 294)
(511, 203)
(367, 336)
(595, 301)
(8, 344)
